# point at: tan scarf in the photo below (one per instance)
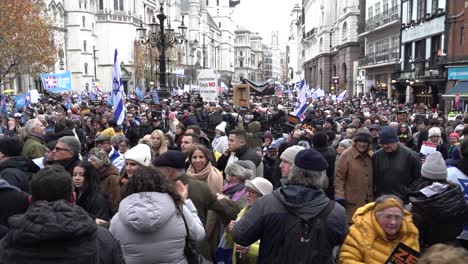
(210, 175)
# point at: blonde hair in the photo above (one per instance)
(444, 254)
(162, 146)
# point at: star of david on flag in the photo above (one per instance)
(51, 82)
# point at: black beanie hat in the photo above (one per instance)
(310, 159)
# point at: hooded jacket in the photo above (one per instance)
(13, 201)
(15, 171)
(49, 232)
(151, 230)
(439, 218)
(267, 218)
(368, 243)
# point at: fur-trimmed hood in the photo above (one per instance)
(242, 169)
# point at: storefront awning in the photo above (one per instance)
(459, 88)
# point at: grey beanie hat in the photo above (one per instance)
(346, 143)
(242, 169)
(434, 167)
(290, 153)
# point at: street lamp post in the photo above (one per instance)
(161, 39)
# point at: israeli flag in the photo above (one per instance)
(341, 96)
(301, 99)
(117, 93)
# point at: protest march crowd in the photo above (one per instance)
(360, 180)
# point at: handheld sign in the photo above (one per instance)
(241, 95)
(403, 255)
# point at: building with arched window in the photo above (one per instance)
(86, 33)
(330, 46)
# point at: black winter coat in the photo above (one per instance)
(439, 218)
(245, 153)
(13, 201)
(329, 154)
(394, 173)
(57, 232)
(17, 171)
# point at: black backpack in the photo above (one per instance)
(303, 240)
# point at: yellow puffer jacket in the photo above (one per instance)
(252, 255)
(367, 242)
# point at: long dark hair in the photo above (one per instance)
(87, 194)
(149, 179)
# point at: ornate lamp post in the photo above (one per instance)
(162, 40)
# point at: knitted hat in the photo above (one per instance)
(374, 126)
(388, 203)
(363, 134)
(310, 159)
(260, 185)
(387, 135)
(241, 169)
(455, 135)
(221, 127)
(290, 153)
(459, 128)
(434, 167)
(320, 140)
(346, 143)
(102, 138)
(140, 153)
(172, 158)
(100, 157)
(434, 131)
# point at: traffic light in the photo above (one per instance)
(336, 80)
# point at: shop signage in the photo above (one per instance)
(458, 73)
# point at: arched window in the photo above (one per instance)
(334, 70)
(207, 2)
(344, 71)
(79, 4)
(321, 44)
(85, 4)
(101, 4)
(84, 21)
(86, 68)
(345, 31)
(84, 45)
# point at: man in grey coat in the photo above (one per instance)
(303, 197)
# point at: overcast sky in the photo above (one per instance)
(264, 16)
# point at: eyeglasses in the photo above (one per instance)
(389, 217)
(57, 149)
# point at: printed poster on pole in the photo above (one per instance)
(208, 80)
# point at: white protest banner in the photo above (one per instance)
(208, 81)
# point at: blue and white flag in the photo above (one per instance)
(341, 96)
(301, 99)
(139, 94)
(117, 93)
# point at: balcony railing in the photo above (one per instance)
(383, 18)
(378, 58)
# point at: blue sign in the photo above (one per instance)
(57, 82)
(458, 73)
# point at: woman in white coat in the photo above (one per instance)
(149, 224)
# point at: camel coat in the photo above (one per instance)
(353, 179)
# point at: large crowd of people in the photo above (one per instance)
(345, 182)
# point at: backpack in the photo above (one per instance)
(303, 240)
